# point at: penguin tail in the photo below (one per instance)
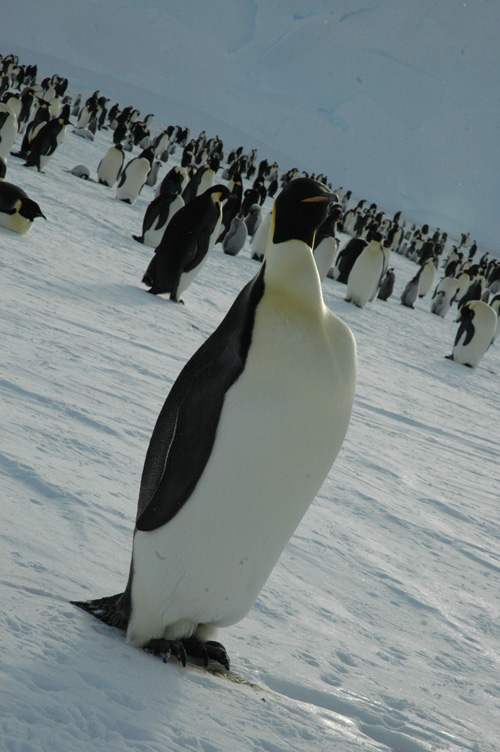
(106, 610)
(139, 238)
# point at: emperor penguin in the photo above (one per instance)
(253, 219)
(261, 238)
(44, 144)
(133, 177)
(325, 242)
(478, 322)
(427, 277)
(244, 441)
(158, 214)
(346, 259)
(174, 181)
(366, 274)
(410, 293)
(386, 287)
(17, 210)
(236, 237)
(186, 244)
(495, 304)
(110, 166)
(8, 129)
(443, 296)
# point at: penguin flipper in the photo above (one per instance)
(106, 609)
(184, 434)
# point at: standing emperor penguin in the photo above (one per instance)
(478, 322)
(44, 144)
(366, 274)
(158, 214)
(443, 296)
(245, 439)
(427, 277)
(133, 177)
(110, 166)
(325, 242)
(186, 244)
(8, 129)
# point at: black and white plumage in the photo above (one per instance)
(244, 441)
(158, 214)
(17, 209)
(186, 243)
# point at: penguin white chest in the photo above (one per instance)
(281, 426)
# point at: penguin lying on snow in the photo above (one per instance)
(186, 243)
(242, 445)
(17, 210)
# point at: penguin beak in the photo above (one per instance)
(332, 198)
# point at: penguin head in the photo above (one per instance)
(300, 208)
(29, 209)
(219, 192)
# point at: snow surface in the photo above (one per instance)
(378, 628)
(394, 99)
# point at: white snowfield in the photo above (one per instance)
(378, 629)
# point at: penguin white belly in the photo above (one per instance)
(15, 223)
(153, 236)
(365, 276)
(8, 133)
(485, 322)
(324, 255)
(281, 426)
(187, 277)
(135, 177)
(109, 168)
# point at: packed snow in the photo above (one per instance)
(378, 628)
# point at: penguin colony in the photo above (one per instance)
(214, 197)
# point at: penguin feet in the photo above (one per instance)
(189, 646)
(166, 648)
(206, 651)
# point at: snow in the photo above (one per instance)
(378, 628)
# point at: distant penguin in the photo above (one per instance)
(410, 293)
(244, 441)
(236, 237)
(153, 175)
(174, 181)
(386, 287)
(158, 214)
(261, 238)
(133, 177)
(186, 244)
(253, 219)
(495, 304)
(477, 328)
(325, 242)
(346, 258)
(443, 296)
(365, 275)
(45, 143)
(427, 277)
(8, 130)
(110, 166)
(80, 171)
(202, 180)
(17, 210)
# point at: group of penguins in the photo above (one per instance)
(255, 419)
(192, 210)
